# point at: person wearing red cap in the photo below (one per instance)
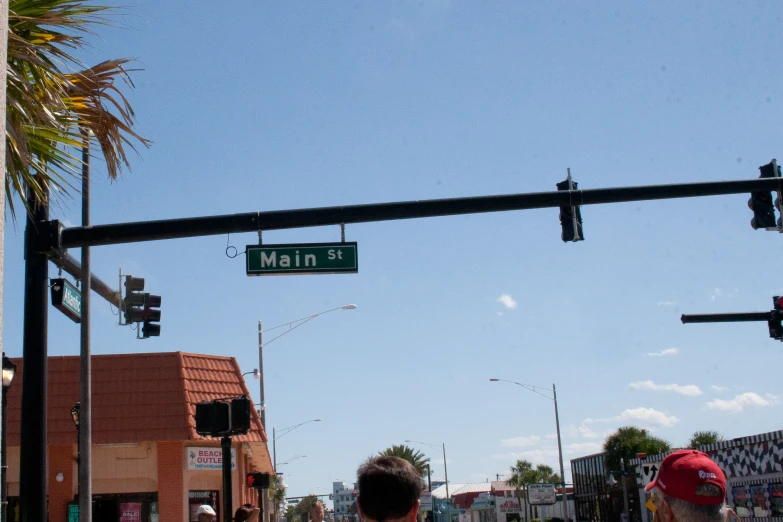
(689, 487)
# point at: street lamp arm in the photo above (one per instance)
(528, 387)
(289, 429)
(300, 322)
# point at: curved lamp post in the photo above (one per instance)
(535, 389)
(445, 471)
(292, 325)
(9, 370)
(284, 432)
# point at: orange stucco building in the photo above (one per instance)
(149, 464)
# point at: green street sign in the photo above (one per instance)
(73, 512)
(304, 258)
(67, 299)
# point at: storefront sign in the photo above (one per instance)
(130, 512)
(426, 501)
(510, 506)
(209, 458)
(541, 494)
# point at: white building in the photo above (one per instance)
(344, 499)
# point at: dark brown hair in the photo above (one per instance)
(389, 487)
(243, 512)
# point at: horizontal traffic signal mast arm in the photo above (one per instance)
(74, 267)
(726, 318)
(314, 217)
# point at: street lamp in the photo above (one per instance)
(535, 389)
(283, 432)
(9, 370)
(75, 417)
(292, 325)
(445, 471)
(255, 373)
(292, 459)
(611, 482)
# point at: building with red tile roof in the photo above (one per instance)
(146, 452)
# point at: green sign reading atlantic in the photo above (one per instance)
(67, 299)
(306, 258)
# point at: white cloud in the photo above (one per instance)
(718, 389)
(664, 353)
(716, 294)
(691, 390)
(666, 303)
(521, 441)
(647, 416)
(582, 430)
(584, 448)
(507, 301)
(543, 455)
(741, 401)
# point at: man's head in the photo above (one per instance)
(317, 511)
(389, 490)
(246, 513)
(205, 513)
(689, 487)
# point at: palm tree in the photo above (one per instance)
(47, 106)
(522, 474)
(416, 458)
(702, 438)
(626, 442)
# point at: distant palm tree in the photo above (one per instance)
(702, 438)
(522, 474)
(416, 458)
(627, 441)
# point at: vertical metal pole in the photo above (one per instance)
(85, 391)
(261, 375)
(429, 480)
(625, 491)
(33, 451)
(78, 462)
(3, 464)
(560, 453)
(573, 210)
(274, 450)
(228, 510)
(446, 472)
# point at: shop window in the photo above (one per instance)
(758, 498)
(740, 495)
(776, 500)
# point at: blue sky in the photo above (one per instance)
(265, 106)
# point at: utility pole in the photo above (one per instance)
(85, 391)
(262, 407)
(560, 454)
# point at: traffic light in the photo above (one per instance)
(760, 202)
(258, 480)
(134, 299)
(775, 321)
(213, 419)
(150, 316)
(567, 215)
(240, 416)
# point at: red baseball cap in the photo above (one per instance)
(681, 474)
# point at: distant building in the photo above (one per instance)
(344, 500)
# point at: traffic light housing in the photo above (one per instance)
(151, 316)
(567, 215)
(775, 321)
(258, 480)
(240, 416)
(760, 202)
(213, 419)
(134, 299)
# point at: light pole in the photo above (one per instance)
(445, 472)
(75, 416)
(612, 482)
(292, 325)
(9, 370)
(535, 389)
(284, 432)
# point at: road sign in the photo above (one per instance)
(304, 258)
(541, 494)
(649, 472)
(73, 512)
(67, 299)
